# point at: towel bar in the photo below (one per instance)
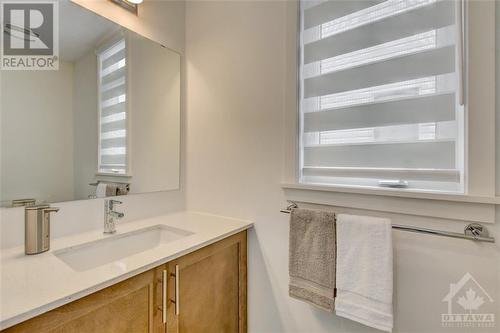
(127, 185)
(473, 231)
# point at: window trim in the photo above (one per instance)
(479, 132)
(101, 48)
(369, 182)
(480, 82)
(480, 165)
(394, 192)
(442, 207)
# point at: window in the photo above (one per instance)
(380, 94)
(112, 148)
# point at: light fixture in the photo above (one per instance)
(130, 5)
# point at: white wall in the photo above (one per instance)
(85, 124)
(238, 92)
(497, 48)
(154, 109)
(42, 151)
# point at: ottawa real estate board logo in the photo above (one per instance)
(469, 305)
(30, 35)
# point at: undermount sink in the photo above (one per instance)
(104, 251)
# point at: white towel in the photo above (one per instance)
(364, 270)
(100, 190)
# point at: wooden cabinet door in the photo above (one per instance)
(211, 289)
(130, 306)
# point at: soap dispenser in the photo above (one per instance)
(37, 228)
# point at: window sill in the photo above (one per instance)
(126, 175)
(408, 202)
(400, 193)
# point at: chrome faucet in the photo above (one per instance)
(110, 215)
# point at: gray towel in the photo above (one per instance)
(111, 189)
(312, 257)
(122, 189)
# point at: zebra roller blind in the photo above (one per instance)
(112, 109)
(380, 94)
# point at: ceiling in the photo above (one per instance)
(80, 30)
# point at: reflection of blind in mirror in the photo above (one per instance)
(378, 92)
(112, 109)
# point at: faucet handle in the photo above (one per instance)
(110, 203)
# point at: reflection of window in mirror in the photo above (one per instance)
(112, 149)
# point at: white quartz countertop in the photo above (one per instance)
(32, 285)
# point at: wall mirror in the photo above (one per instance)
(105, 123)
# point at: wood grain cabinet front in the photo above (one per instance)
(201, 292)
(128, 306)
(207, 289)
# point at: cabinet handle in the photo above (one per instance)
(177, 297)
(164, 297)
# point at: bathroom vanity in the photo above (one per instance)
(105, 125)
(183, 272)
